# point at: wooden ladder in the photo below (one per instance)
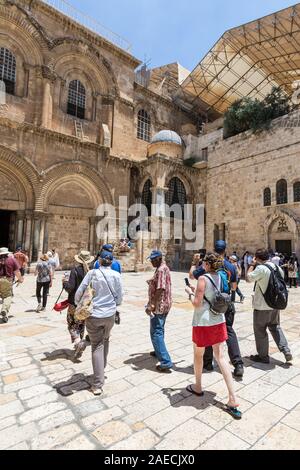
(79, 130)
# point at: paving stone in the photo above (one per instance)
(287, 397)
(24, 361)
(7, 397)
(111, 432)
(7, 422)
(37, 413)
(20, 446)
(187, 436)
(170, 418)
(24, 384)
(14, 435)
(10, 379)
(295, 381)
(257, 391)
(55, 420)
(89, 407)
(131, 396)
(35, 391)
(95, 420)
(11, 408)
(143, 440)
(224, 440)
(292, 419)
(256, 422)
(279, 437)
(56, 437)
(79, 443)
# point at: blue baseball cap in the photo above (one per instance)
(106, 255)
(108, 247)
(155, 254)
(220, 246)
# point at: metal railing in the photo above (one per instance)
(84, 20)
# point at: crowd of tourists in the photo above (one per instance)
(95, 292)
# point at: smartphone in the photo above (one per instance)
(187, 282)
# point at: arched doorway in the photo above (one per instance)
(282, 233)
(70, 226)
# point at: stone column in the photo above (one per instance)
(47, 111)
(38, 235)
(92, 235)
(20, 228)
(28, 232)
(159, 201)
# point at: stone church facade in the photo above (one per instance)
(79, 128)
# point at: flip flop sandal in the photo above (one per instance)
(233, 411)
(190, 389)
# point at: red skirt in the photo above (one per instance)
(204, 336)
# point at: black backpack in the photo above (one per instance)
(221, 302)
(276, 295)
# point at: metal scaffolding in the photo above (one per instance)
(247, 61)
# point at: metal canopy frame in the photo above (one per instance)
(247, 61)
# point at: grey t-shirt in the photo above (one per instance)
(43, 271)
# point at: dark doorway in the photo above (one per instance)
(5, 220)
(284, 247)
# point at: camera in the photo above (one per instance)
(117, 318)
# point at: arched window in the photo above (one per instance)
(176, 194)
(8, 70)
(297, 192)
(76, 99)
(144, 126)
(281, 192)
(267, 197)
(147, 196)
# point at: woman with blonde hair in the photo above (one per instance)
(209, 329)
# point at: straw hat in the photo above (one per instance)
(44, 257)
(84, 257)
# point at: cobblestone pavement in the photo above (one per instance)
(45, 402)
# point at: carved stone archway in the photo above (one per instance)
(282, 228)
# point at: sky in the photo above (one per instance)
(166, 31)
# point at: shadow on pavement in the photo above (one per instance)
(75, 384)
(60, 354)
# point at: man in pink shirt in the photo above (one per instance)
(9, 269)
(158, 308)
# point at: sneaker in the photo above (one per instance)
(43, 309)
(96, 391)
(262, 360)
(163, 370)
(288, 357)
(238, 370)
(4, 317)
(39, 308)
(208, 367)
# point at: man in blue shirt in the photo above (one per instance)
(116, 265)
(232, 342)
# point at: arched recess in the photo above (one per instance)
(186, 182)
(68, 46)
(69, 172)
(282, 227)
(23, 173)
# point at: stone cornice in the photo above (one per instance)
(175, 164)
(89, 35)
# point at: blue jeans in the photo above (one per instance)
(157, 333)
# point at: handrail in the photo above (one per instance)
(88, 22)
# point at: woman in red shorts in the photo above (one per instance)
(209, 329)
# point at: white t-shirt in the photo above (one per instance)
(261, 276)
(276, 260)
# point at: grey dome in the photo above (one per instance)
(167, 136)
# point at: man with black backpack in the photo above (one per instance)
(270, 297)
